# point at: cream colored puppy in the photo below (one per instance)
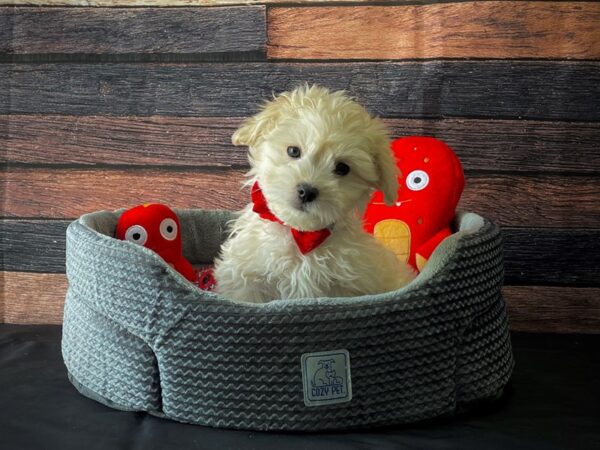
(316, 156)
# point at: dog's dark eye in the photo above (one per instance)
(293, 152)
(341, 169)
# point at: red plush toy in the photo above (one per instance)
(431, 184)
(156, 227)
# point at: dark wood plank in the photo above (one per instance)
(513, 145)
(135, 141)
(5, 88)
(172, 3)
(506, 29)
(191, 31)
(533, 256)
(542, 256)
(528, 201)
(39, 298)
(130, 58)
(534, 201)
(33, 246)
(567, 91)
(543, 309)
(498, 145)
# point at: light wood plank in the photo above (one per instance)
(69, 193)
(567, 91)
(31, 298)
(501, 145)
(526, 201)
(495, 29)
(135, 141)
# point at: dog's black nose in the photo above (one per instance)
(307, 193)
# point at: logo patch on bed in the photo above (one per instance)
(326, 377)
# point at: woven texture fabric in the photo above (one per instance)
(138, 336)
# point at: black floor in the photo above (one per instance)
(553, 402)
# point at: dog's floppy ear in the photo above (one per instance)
(255, 128)
(388, 175)
(387, 169)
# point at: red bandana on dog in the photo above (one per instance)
(305, 240)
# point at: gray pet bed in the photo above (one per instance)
(137, 336)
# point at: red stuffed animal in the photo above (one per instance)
(156, 227)
(431, 184)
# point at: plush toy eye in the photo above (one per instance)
(136, 234)
(293, 151)
(168, 229)
(417, 180)
(341, 169)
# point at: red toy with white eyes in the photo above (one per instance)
(431, 184)
(156, 227)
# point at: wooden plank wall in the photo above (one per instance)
(107, 107)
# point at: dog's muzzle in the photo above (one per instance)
(307, 193)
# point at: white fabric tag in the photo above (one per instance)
(326, 377)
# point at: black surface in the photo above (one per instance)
(553, 402)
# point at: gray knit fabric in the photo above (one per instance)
(138, 336)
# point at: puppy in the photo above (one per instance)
(316, 156)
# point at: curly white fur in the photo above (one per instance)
(260, 261)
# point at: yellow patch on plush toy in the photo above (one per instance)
(421, 261)
(395, 235)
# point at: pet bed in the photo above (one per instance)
(137, 336)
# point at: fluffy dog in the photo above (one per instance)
(316, 156)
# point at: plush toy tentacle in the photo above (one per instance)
(184, 267)
(424, 251)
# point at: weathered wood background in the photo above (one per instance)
(107, 107)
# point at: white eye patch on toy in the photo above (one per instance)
(417, 180)
(136, 234)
